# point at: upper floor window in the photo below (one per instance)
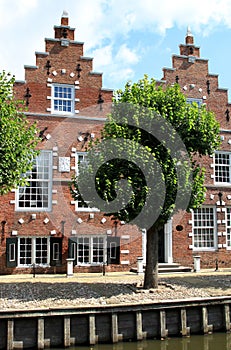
(80, 157)
(198, 101)
(36, 195)
(63, 98)
(228, 227)
(222, 167)
(204, 228)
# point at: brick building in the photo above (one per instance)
(206, 231)
(41, 224)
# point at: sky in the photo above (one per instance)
(126, 38)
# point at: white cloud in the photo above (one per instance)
(103, 55)
(106, 27)
(13, 11)
(126, 55)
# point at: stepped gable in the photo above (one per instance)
(62, 62)
(191, 72)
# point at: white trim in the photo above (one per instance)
(125, 262)
(70, 100)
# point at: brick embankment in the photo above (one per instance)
(55, 291)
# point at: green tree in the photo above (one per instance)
(18, 138)
(153, 139)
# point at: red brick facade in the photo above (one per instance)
(65, 134)
(191, 73)
(63, 62)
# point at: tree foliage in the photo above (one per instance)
(152, 120)
(18, 138)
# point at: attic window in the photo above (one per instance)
(198, 101)
(63, 97)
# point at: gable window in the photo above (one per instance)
(36, 195)
(204, 229)
(63, 98)
(198, 101)
(222, 167)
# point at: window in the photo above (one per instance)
(94, 250)
(26, 251)
(63, 98)
(81, 158)
(91, 250)
(228, 227)
(33, 251)
(222, 167)
(204, 229)
(37, 194)
(190, 100)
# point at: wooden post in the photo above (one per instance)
(92, 336)
(206, 327)
(185, 331)
(10, 334)
(163, 330)
(40, 333)
(227, 318)
(67, 331)
(140, 335)
(116, 337)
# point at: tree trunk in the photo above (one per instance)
(151, 270)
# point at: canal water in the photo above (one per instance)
(217, 341)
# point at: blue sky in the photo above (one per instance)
(127, 38)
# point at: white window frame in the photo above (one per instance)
(228, 227)
(78, 204)
(62, 99)
(78, 161)
(191, 100)
(45, 180)
(205, 226)
(91, 255)
(228, 166)
(33, 252)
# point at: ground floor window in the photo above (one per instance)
(29, 251)
(204, 229)
(94, 250)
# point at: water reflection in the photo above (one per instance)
(218, 341)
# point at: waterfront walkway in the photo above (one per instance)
(55, 291)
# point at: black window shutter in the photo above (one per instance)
(11, 252)
(72, 249)
(55, 251)
(113, 250)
